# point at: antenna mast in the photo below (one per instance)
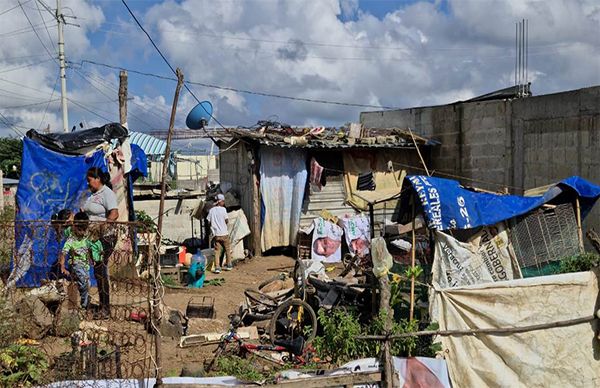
(61, 58)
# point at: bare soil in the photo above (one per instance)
(227, 297)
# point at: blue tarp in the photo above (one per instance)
(49, 182)
(448, 205)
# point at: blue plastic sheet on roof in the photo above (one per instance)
(51, 181)
(448, 205)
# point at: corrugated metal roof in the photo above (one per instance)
(150, 144)
(378, 138)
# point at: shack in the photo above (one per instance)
(284, 177)
(503, 323)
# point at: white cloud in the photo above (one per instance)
(420, 54)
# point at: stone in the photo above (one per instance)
(36, 319)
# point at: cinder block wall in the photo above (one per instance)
(518, 144)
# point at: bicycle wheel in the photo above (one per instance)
(294, 318)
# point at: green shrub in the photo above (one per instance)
(145, 223)
(22, 365)
(341, 327)
(579, 263)
(338, 341)
(238, 367)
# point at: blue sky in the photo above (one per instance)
(381, 53)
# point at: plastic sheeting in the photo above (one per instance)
(283, 178)
(50, 181)
(448, 205)
(557, 357)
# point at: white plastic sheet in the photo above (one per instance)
(557, 357)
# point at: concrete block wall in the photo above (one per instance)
(518, 144)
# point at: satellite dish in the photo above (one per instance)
(199, 117)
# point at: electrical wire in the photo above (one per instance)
(318, 101)
(15, 7)
(173, 70)
(36, 33)
(49, 101)
(10, 125)
(20, 31)
(37, 4)
(30, 105)
(114, 88)
(106, 95)
(25, 66)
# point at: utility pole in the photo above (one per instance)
(123, 98)
(61, 58)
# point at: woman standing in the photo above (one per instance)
(101, 207)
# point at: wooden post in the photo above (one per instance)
(163, 190)
(418, 151)
(256, 240)
(1, 194)
(579, 227)
(123, 98)
(386, 352)
(412, 265)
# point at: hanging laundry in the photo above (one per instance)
(316, 170)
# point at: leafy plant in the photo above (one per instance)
(341, 327)
(145, 222)
(579, 263)
(239, 367)
(10, 325)
(338, 340)
(168, 281)
(11, 150)
(21, 365)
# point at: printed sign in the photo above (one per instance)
(484, 258)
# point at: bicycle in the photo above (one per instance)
(296, 349)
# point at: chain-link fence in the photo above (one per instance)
(45, 329)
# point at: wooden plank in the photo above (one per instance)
(333, 381)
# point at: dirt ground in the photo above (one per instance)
(227, 299)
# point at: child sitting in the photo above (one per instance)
(79, 249)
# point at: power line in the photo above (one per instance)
(9, 124)
(263, 94)
(172, 69)
(25, 66)
(30, 105)
(49, 101)
(36, 33)
(15, 7)
(37, 4)
(113, 88)
(106, 95)
(21, 30)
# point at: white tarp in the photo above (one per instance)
(484, 258)
(283, 178)
(558, 357)
(238, 229)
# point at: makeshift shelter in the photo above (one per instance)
(536, 331)
(285, 177)
(53, 178)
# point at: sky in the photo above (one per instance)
(383, 53)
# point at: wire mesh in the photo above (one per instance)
(545, 235)
(43, 312)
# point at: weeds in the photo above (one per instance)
(21, 365)
(579, 263)
(239, 367)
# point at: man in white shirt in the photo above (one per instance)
(217, 216)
